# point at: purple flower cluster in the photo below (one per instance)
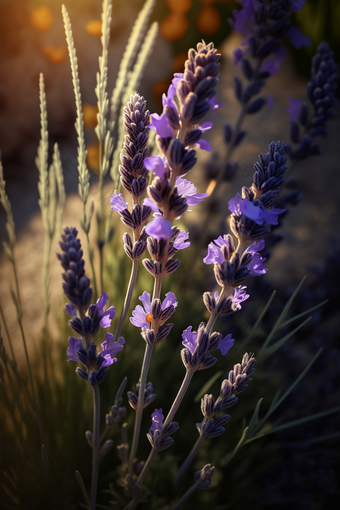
(321, 91)
(237, 382)
(252, 213)
(158, 436)
(231, 268)
(133, 173)
(199, 345)
(151, 317)
(90, 317)
(264, 23)
(177, 131)
(96, 364)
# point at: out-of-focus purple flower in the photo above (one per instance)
(294, 109)
(297, 5)
(240, 296)
(270, 101)
(238, 206)
(162, 125)
(110, 348)
(70, 310)
(168, 99)
(150, 203)
(272, 65)
(159, 228)
(187, 189)
(109, 314)
(237, 56)
(298, 38)
(157, 165)
(189, 339)
(244, 18)
(142, 316)
(181, 242)
(226, 344)
(214, 105)
(256, 266)
(157, 418)
(215, 254)
(202, 143)
(75, 344)
(117, 202)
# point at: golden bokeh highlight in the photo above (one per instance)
(41, 18)
(209, 20)
(94, 27)
(174, 26)
(179, 6)
(55, 54)
(92, 157)
(89, 115)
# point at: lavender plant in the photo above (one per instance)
(235, 257)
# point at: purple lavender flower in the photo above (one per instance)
(256, 265)
(240, 296)
(244, 18)
(70, 310)
(75, 344)
(215, 254)
(157, 418)
(76, 285)
(157, 165)
(109, 314)
(189, 339)
(181, 242)
(117, 202)
(226, 344)
(159, 228)
(110, 347)
(294, 109)
(162, 125)
(239, 206)
(136, 121)
(142, 315)
(298, 38)
(237, 56)
(214, 105)
(188, 190)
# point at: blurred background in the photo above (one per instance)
(32, 41)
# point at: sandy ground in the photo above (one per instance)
(308, 230)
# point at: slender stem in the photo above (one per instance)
(129, 292)
(90, 251)
(147, 466)
(46, 282)
(179, 397)
(95, 445)
(185, 497)
(132, 505)
(189, 458)
(8, 335)
(140, 405)
(101, 248)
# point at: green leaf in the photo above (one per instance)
(303, 314)
(282, 316)
(238, 446)
(264, 353)
(82, 487)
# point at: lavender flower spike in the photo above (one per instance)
(157, 418)
(142, 315)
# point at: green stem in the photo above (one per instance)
(189, 458)
(179, 397)
(95, 445)
(185, 497)
(140, 405)
(129, 292)
(90, 251)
